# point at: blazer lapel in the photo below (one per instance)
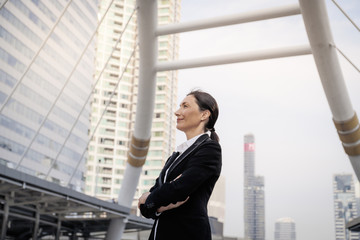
(196, 144)
(171, 160)
(167, 164)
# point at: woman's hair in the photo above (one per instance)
(206, 102)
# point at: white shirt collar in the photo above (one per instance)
(182, 147)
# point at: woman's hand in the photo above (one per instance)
(143, 198)
(171, 206)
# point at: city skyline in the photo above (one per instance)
(280, 101)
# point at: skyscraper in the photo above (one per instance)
(216, 205)
(109, 145)
(285, 229)
(345, 206)
(43, 131)
(254, 196)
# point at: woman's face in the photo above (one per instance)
(189, 117)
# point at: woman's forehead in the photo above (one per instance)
(188, 99)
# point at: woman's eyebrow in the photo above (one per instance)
(183, 103)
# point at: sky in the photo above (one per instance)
(281, 102)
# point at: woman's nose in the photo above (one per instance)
(177, 112)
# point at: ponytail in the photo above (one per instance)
(213, 135)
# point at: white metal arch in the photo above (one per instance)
(321, 46)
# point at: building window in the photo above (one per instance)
(158, 134)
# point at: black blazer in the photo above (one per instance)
(200, 167)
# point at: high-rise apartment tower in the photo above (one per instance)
(109, 145)
(43, 131)
(254, 196)
(345, 206)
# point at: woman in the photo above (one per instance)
(178, 200)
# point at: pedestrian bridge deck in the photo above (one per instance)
(30, 205)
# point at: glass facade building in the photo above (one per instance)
(345, 206)
(254, 194)
(43, 131)
(116, 96)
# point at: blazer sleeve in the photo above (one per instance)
(202, 165)
(148, 211)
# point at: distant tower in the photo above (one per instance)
(345, 206)
(285, 229)
(254, 202)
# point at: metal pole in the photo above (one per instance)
(58, 229)
(233, 58)
(322, 45)
(257, 15)
(97, 168)
(5, 220)
(347, 16)
(147, 22)
(74, 235)
(36, 224)
(173, 97)
(3, 4)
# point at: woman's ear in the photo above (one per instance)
(205, 115)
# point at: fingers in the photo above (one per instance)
(172, 205)
(143, 198)
(161, 209)
(178, 204)
(176, 178)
